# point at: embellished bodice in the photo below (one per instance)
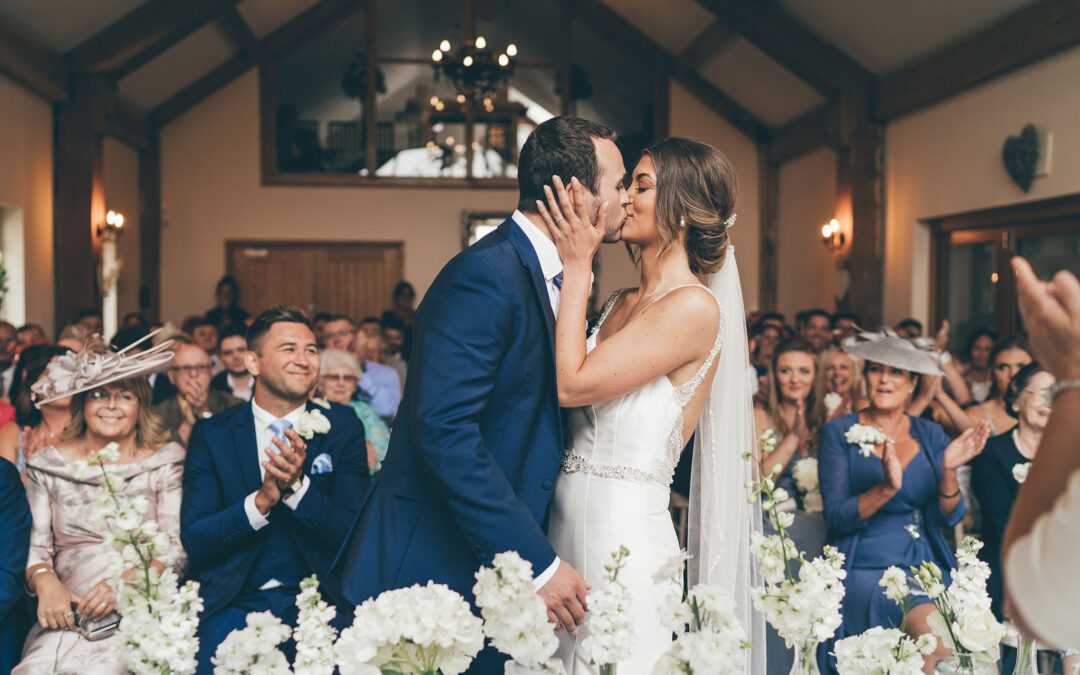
(637, 436)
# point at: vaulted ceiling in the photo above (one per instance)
(766, 62)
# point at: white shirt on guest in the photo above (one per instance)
(550, 266)
(1040, 571)
(245, 393)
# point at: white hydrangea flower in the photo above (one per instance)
(879, 651)
(254, 648)
(311, 422)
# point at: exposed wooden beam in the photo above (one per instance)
(124, 121)
(619, 31)
(705, 45)
(774, 31)
(238, 31)
(1025, 36)
(298, 28)
(32, 64)
(829, 125)
(140, 35)
(859, 188)
(150, 229)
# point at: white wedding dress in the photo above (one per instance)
(613, 491)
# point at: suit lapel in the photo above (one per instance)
(247, 455)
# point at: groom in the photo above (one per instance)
(477, 445)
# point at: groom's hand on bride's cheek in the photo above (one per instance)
(565, 595)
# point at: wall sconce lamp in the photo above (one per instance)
(113, 223)
(831, 235)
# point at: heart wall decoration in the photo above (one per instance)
(1021, 154)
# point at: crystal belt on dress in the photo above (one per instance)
(573, 463)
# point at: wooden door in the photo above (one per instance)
(352, 278)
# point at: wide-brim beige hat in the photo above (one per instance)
(890, 349)
(96, 366)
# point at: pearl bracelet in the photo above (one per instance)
(1061, 387)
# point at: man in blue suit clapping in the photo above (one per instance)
(15, 538)
(269, 492)
(477, 444)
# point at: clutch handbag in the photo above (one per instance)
(98, 629)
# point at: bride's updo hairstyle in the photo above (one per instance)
(695, 185)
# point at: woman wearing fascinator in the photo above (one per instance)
(889, 487)
(665, 360)
(68, 565)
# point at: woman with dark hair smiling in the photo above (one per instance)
(1008, 356)
(887, 502)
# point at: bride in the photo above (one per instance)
(664, 359)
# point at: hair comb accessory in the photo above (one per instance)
(730, 222)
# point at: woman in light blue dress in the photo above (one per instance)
(339, 376)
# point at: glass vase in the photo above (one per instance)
(1026, 658)
(805, 662)
(965, 665)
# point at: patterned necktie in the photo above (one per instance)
(557, 280)
(279, 426)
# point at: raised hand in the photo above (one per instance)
(890, 464)
(800, 428)
(1051, 312)
(288, 463)
(567, 217)
(97, 602)
(966, 446)
(941, 340)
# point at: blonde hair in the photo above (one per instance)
(149, 432)
(695, 191)
(856, 368)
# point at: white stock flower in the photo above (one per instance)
(109, 454)
(313, 634)
(611, 634)
(515, 617)
(311, 422)
(879, 651)
(866, 436)
(253, 648)
(805, 473)
(1020, 472)
(672, 570)
(895, 583)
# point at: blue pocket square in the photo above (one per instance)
(322, 464)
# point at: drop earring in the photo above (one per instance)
(682, 221)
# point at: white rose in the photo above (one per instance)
(979, 632)
(1020, 472)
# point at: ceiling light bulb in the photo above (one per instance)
(504, 60)
(481, 42)
(444, 45)
(511, 49)
(436, 56)
(467, 61)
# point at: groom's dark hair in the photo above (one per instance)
(562, 146)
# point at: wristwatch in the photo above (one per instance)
(293, 488)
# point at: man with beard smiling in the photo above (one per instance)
(264, 508)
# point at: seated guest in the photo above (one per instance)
(379, 384)
(404, 298)
(393, 331)
(339, 376)
(340, 333)
(844, 326)
(205, 334)
(818, 329)
(909, 328)
(975, 364)
(318, 325)
(15, 533)
(1040, 548)
(30, 335)
(1007, 357)
(842, 377)
(91, 320)
(889, 508)
(190, 373)
(69, 562)
(996, 474)
(159, 382)
(34, 427)
(264, 508)
(137, 319)
(227, 312)
(73, 336)
(234, 379)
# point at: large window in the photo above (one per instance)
(359, 104)
(974, 285)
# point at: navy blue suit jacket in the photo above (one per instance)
(476, 448)
(222, 469)
(15, 534)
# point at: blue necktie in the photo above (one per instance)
(279, 426)
(557, 280)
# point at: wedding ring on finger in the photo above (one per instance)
(560, 218)
(69, 614)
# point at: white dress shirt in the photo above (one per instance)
(1040, 571)
(550, 266)
(263, 436)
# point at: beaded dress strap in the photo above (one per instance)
(607, 310)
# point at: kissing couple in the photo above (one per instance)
(502, 372)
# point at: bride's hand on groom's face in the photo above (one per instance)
(565, 595)
(567, 216)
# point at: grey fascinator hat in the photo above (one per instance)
(96, 366)
(889, 349)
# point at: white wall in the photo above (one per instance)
(807, 201)
(26, 183)
(947, 159)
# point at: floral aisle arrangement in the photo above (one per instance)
(964, 621)
(313, 633)
(886, 651)
(611, 637)
(803, 607)
(710, 640)
(420, 630)
(515, 617)
(158, 617)
(254, 648)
